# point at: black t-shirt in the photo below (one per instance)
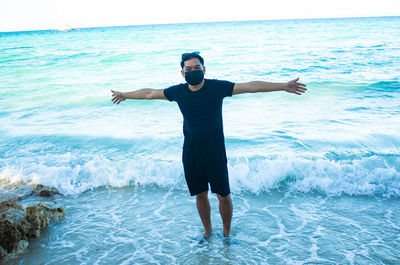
(201, 110)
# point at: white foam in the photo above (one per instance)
(76, 173)
(365, 176)
(95, 172)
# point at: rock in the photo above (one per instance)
(12, 226)
(40, 215)
(18, 226)
(44, 191)
(20, 191)
(19, 198)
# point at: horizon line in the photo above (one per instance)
(201, 22)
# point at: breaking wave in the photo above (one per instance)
(376, 175)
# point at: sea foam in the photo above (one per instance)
(75, 173)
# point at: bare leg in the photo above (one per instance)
(225, 209)
(203, 207)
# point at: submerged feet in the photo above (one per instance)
(228, 240)
(211, 238)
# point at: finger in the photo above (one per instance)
(115, 100)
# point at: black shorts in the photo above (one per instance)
(203, 169)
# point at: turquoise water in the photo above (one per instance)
(314, 178)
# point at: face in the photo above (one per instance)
(192, 64)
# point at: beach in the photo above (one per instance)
(315, 179)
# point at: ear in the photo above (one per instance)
(183, 74)
(204, 70)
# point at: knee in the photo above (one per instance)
(224, 199)
(202, 196)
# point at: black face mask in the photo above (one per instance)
(194, 77)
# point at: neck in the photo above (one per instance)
(196, 87)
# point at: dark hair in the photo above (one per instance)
(191, 55)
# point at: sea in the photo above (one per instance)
(315, 178)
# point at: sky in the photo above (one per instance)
(16, 15)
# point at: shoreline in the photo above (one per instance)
(136, 218)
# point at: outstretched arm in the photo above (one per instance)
(146, 93)
(260, 86)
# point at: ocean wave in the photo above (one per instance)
(377, 175)
(384, 86)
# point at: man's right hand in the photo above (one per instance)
(117, 97)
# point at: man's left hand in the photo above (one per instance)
(295, 87)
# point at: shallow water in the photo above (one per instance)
(151, 225)
(314, 178)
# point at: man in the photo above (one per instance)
(204, 157)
